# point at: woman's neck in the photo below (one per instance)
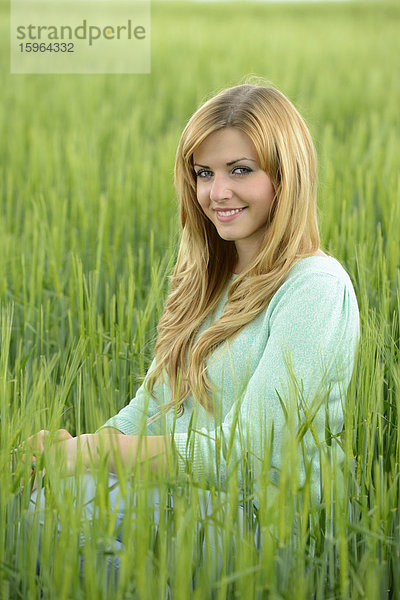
(241, 262)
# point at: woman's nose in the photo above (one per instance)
(220, 189)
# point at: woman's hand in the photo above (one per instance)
(34, 446)
(36, 442)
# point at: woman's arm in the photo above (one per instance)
(91, 448)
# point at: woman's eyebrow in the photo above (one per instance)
(228, 164)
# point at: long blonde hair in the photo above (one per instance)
(205, 261)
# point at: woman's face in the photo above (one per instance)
(232, 189)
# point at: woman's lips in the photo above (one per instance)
(229, 215)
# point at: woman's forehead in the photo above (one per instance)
(225, 145)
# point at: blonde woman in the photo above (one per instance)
(260, 327)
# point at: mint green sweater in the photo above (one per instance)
(290, 366)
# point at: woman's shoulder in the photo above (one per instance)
(317, 296)
(317, 283)
(314, 266)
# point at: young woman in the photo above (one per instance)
(260, 327)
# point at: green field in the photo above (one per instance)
(88, 235)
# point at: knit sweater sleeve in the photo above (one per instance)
(311, 330)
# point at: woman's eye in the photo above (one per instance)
(243, 170)
(202, 174)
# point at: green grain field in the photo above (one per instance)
(88, 236)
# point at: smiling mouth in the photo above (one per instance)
(228, 213)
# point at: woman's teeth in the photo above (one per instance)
(228, 213)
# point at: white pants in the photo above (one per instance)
(208, 518)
